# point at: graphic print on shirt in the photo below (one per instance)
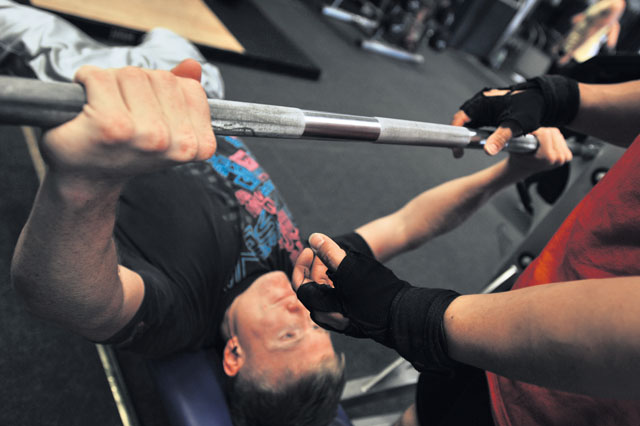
(267, 225)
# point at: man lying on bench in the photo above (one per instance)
(144, 237)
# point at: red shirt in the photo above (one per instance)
(599, 239)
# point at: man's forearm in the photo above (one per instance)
(136, 121)
(436, 211)
(581, 336)
(610, 112)
(446, 206)
(65, 264)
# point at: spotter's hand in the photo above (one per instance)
(549, 101)
(311, 268)
(514, 112)
(362, 298)
(351, 291)
(552, 152)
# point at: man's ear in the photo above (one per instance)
(233, 357)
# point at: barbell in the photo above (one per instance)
(32, 102)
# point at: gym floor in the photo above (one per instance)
(51, 377)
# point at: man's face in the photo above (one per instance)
(275, 330)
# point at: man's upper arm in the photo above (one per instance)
(122, 307)
(133, 293)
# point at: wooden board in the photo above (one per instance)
(191, 19)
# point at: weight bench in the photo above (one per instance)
(191, 388)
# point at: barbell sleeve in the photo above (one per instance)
(47, 104)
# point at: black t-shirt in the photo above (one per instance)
(199, 234)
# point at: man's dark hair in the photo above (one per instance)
(310, 399)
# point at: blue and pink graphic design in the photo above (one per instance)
(270, 225)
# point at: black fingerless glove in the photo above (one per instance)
(386, 309)
(550, 100)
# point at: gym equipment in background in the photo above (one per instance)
(396, 28)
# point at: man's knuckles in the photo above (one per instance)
(162, 78)
(132, 74)
(207, 147)
(184, 146)
(151, 132)
(153, 135)
(192, 87)
(115, 127)
(90, 74)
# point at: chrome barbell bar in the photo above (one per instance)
(47, 104)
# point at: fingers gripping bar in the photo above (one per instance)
(44, 104)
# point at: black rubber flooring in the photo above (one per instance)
(51, 377)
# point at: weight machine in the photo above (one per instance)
(396, 29)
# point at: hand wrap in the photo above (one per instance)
(386, 309)
(550, 101)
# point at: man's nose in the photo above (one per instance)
(295, 306)
(300, 313)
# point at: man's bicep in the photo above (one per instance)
(118, 311)
(133, 293)
(161, 314)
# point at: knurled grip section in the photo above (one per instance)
(404, 132)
